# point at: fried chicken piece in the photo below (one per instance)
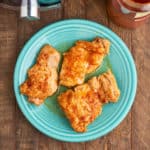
(106, 86)
(83, 104)
(81, 59)
(42, 77)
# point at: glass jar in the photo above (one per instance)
(129, 13)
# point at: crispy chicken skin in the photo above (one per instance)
(42, 77)
(81, 106)
(106, 86)
(81, 59)
(84, 103)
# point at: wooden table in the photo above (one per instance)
(16, 133)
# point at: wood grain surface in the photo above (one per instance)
(16, 133)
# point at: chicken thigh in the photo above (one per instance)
(81, 59)
(42, 78)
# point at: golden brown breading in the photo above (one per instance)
(81, 59)
(83, 104)
(106, 86)
(42, 77)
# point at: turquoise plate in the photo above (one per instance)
(48, 118)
